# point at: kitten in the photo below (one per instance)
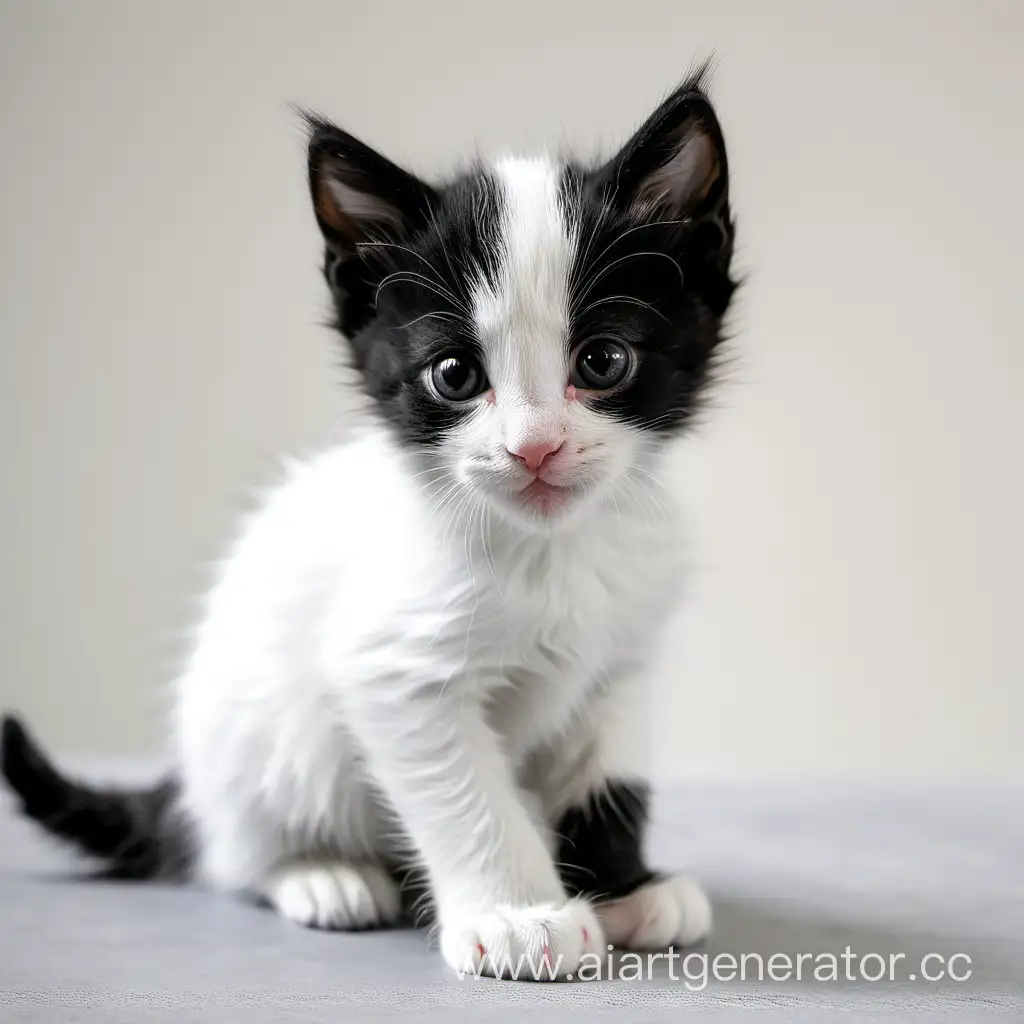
(429, 647)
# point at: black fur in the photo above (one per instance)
(655, 277)
(414, 323)
(600, 845)
(135, 832)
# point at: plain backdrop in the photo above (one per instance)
(856, 494)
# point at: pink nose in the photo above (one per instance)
(532, 456)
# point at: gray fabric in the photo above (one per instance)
(790, 869)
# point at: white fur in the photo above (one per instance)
(332, 894)
(667, 912)
(522, 321)
(397, 652)
(541, 942)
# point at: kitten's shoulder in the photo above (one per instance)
(335, 499)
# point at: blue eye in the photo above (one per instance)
(458, 376)
(601, 364)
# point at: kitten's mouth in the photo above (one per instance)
(544, 497)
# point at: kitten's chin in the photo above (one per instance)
(541, 507)
(543, 498)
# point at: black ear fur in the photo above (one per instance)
(360, 198)
(675, 168)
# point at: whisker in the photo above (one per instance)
(430, 469)
(411, 277)
(404, 248)
(608, 268)
(638, 227)
(437, 315)
(626, 300)
(485, 538)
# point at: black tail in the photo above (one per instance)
(136, 832)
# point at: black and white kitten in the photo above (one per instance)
(430, 644)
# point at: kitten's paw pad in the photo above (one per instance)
(325, 894)
(525, 943)
(671, 911)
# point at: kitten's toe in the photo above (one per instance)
(543, 942)
(672, 911)
(326, 894)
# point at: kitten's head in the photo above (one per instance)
(536, 328)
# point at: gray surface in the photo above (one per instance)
(798, 869)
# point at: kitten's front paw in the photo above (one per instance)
(525, 943)
(671, 911)
(333, 894)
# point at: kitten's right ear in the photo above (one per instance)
(359, 195)
(360, 199)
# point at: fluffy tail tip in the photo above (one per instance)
(127, 828)
(21, 760)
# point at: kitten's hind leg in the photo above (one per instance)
(666, 912)
(601, 856)
(596, 794)
(332, 894)
(314, 848)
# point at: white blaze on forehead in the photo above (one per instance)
(522, 316)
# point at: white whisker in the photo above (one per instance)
(626, 300)
(608, 268)
(437, 315)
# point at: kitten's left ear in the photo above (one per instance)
(675, 168)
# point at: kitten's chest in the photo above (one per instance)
(562, 619)
(558, 614)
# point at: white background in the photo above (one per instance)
(856, 493)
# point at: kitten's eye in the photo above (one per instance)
(600, 365)
(458, 377)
